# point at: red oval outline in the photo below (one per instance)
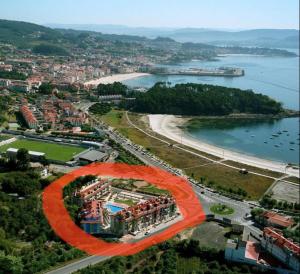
(61, 222)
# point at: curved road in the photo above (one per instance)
(206, 197)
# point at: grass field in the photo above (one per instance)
(5, 137)
(126, 202)
(194, 166)
(131, 185)
(53, 151)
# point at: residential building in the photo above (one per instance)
(5, 83)
(96, 189)
(270, 218)
(283, 249)
(143, 215)
(20, 86)
(94, 217)
(29, 117)
(273, 252)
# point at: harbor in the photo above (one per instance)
(222, 72)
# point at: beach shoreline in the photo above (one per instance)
(169, 127)
(115, 78)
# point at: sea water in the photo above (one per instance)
(277, 77)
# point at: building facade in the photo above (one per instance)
(281, 248)
(143, 215)
(98, 215)
(29, 117)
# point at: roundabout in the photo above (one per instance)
(221, 209)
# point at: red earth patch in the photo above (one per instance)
(61, 222)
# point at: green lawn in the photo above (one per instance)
(221, 209)
(5, 137)
(53, 151)
(151, 189)
(126, 202)
(112, 118)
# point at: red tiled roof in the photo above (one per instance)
(146, 207)
(281, 241)
(252, 251)
(277, 219)
(93, 212)
(27, 114)
(94, 188)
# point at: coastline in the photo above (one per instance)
(115, 78)
(168, 126)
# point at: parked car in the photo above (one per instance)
(243, 171)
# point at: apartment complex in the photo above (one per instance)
(96, 189)
(151, 212)
(100, 214)
(94, 217)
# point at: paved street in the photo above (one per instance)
(70, 268)
(207, 199)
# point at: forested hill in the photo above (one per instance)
(65, 42)
(198, 99)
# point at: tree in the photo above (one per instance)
(116, 88)
(10, 264)
(46, 88)
(44, 161)
(202, 180)
(256, 212)
(198, 99)
(100, 108)
(23, 159)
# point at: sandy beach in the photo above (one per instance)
(168, 126)
(115, 78)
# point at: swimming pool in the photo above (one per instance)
(113, 208)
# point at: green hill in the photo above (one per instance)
(40, 39)
(47, 41)
(199, 99)
(25, 34)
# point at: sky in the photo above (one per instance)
(224, 14)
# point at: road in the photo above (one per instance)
(75, 266)
(206, 196)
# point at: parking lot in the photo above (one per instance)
(286, 192)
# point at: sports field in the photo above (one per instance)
(53, 151)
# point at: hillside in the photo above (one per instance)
(279, 38)
(63, 42)
(23, 33)
(258, 37)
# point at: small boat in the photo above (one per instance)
(285, 131)
(275, 135)
(276, 145)
(288, 135)
(271, 138)
(292, 149)
(265, 142)
(292, 143)
(252, 136)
